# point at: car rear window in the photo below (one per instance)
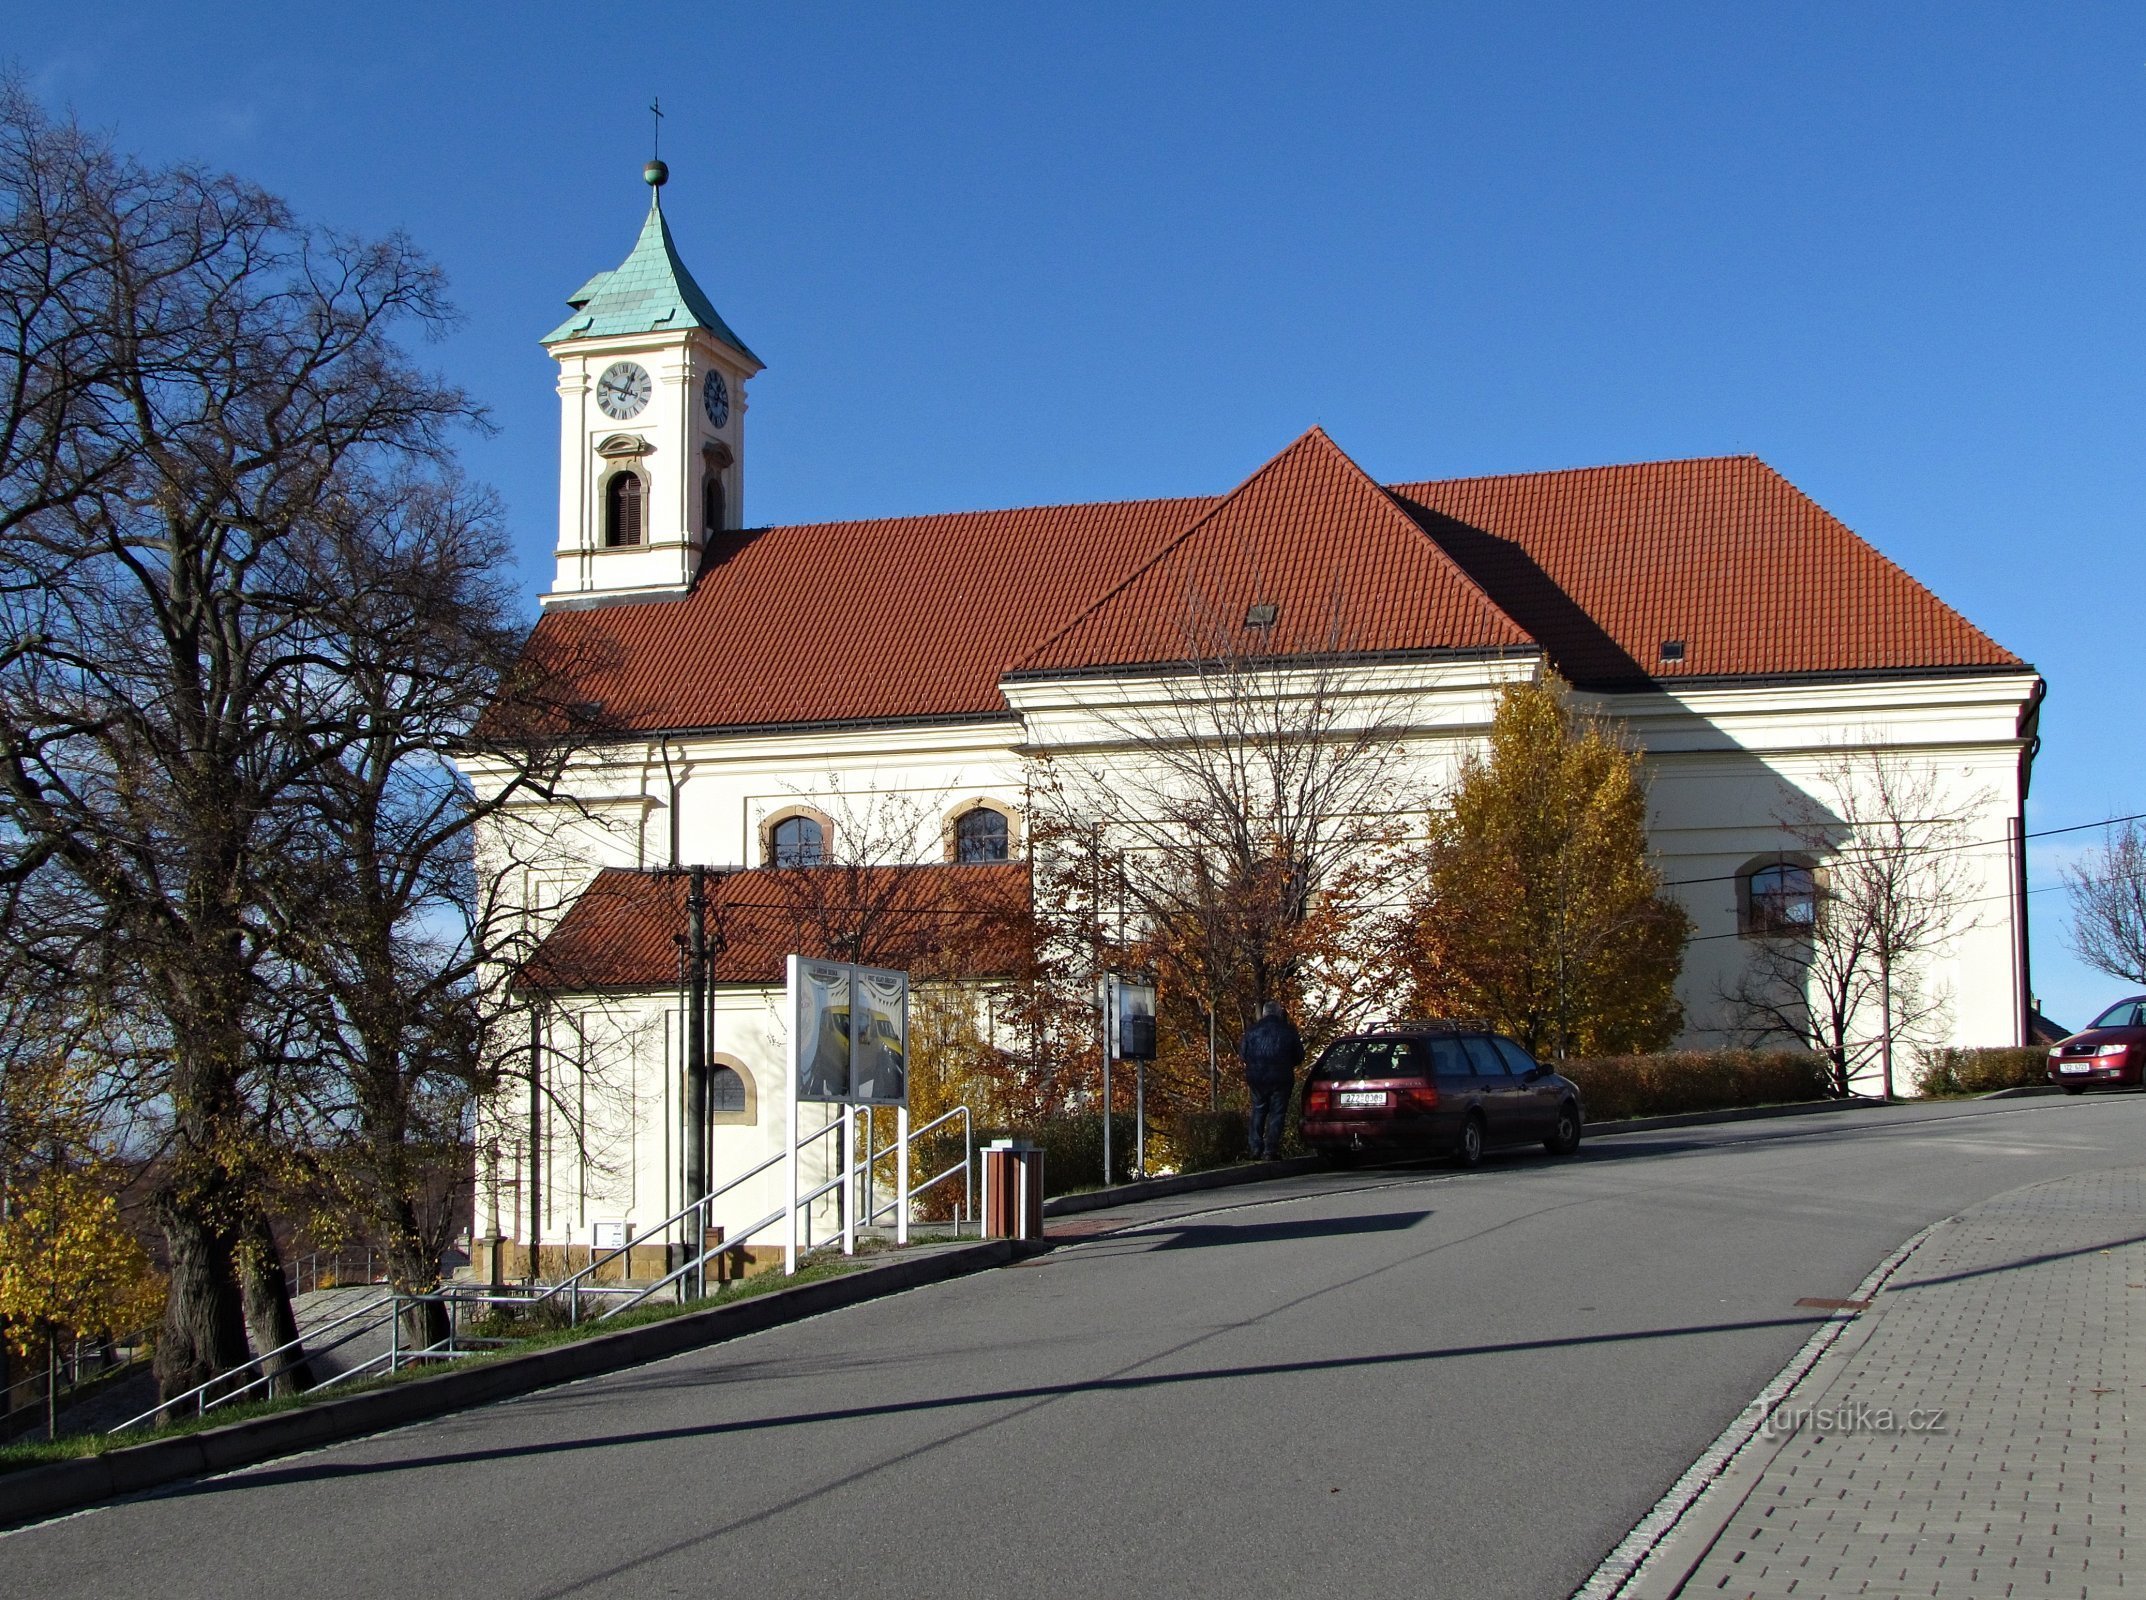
(1367, 1058)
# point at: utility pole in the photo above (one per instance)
(694, 1139)
(531, 1166)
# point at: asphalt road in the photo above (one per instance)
(1412, 1382)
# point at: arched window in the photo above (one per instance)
(713, 507)
(797, 842)
(726, 1090)
(1780, 897)
(622, 510)
(733, 1096)
(980, 835)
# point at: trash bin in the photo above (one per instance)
(1013, 1190)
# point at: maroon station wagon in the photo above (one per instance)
(2109, 1051)
(1435, 1089)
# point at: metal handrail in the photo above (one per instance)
(392, 1300)
(69, 1393)
(387, 1308)
(572, 1285)
(966, 1165)
(773, 1217)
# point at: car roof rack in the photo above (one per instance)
(1434, 1025)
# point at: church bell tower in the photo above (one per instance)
(651, 425)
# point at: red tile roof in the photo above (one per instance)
(921, 617)
(1344, 567)
(937, 920)
(911, 617)
(1755, 579)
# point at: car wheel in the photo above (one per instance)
(1566, 1139)
(1468, 1149)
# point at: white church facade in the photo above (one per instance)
(763, 712)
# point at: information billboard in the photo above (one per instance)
(852, 1032)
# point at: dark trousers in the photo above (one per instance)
(1270, 1105)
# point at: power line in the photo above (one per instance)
(1935, 849)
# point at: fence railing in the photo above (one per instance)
(352, 1267)
(23, 1402)
(966, 1167)
(388, 1310)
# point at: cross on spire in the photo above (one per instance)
(656, 144)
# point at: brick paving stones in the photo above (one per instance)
(1974, 1435)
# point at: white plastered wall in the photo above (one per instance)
(1724, 764)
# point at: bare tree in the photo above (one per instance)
(2108, 905)
(1237, 828)
(192, 378)
(1845, 972)
(399, 951)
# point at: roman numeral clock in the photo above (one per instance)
(623, 390)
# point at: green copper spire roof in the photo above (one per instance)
(649, 292)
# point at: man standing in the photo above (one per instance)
(1272, 1053)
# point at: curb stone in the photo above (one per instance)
(34, 1494)
(1653, 1560)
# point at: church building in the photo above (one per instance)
(757, 683)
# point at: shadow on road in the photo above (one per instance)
(1023, 1396)
(1202, 1235)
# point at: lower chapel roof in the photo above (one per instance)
(947, 921)
(1620, 576)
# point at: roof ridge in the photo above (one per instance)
(1176, 541)
(1420, 531)
(1312, 438)
(1392, 488)
(1596, 466)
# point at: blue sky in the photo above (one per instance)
(1006, 254)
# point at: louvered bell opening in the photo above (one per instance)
(622, 511)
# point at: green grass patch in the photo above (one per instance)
(548, 1335)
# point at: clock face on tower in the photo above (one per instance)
(715, 398)
(622, 391)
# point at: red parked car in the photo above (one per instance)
(2110, 1050)
(1435, 1088)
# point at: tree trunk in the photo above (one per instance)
(204, 1329)
(412, 1269)
(270, 1321)
(52, 1383)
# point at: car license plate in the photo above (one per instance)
(1363, 1097)
(2075, 1066)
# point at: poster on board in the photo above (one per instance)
(852, 1033)
(879, 1053)
(820, 1013)
(1132, 1018)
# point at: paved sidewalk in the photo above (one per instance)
(1970, 1434)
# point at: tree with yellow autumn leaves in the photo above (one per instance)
(70, 1268)
(1540, 910)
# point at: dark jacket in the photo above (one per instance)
(1272, 1053)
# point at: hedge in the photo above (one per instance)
(1959, 1072)
(1616, 1087)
